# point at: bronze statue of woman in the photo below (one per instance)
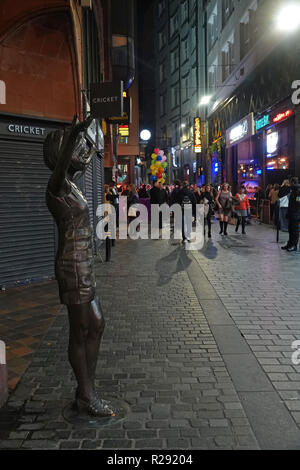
(67, 154)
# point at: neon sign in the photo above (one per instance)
(282, 116)
(264, 121)
(197, 136)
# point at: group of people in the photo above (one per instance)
(214, 200)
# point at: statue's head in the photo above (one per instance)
(81, 156)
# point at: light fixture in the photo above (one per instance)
(288, 19)
(205, 100)
(145, 135)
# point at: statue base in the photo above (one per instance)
(72, 416)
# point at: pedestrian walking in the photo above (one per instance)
(293, 216)
(242, 209)
(187, 201)
(207, 198)
(224, 201)
(174, 197)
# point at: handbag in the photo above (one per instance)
(132, 211)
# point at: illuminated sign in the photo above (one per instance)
(241, 131)
(124, 130)
(282, 116)
(197, 136)
(272, 142)
(262, 122)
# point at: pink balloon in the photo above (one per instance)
(161, 153)
(164, 158)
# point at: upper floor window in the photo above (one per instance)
(174, 96)
(161, 7)
(227, 59)
(161, 39)
(185, 88)
(174, 24)
(249, 31)
(162, 104)
(212, 28)
(162, 72)
(185, 50)
(227, 9)
(212, 77)
(193, 38)
(184, 11)
(174, 60)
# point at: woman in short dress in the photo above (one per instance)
(67, 154)
(223, 201)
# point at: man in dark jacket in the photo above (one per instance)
(293, 216)
(174, 199)
(187, 199)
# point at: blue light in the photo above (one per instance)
(270, 168)
(259, 172)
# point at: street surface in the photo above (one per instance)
(199, 344)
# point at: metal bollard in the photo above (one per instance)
(108, 249)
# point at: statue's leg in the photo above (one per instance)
(79, 319)
(96, 329)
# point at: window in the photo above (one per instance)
(212, 77)
(193, 81)
(174, 96)
(193, 38)
(162, 104)
(162, 74)
(174, 24)
(184, 11)
(212, 28)
(249, 31)
(227, 9)
(185, 88)
(161, 39)
(161, 7)
(174, 60)
(185, 50)
(227, 59)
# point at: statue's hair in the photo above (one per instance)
(52, 146)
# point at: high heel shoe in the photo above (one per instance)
(95, 407)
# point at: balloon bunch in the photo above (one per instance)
(159, 166)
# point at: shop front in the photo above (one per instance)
(27, 230)
(276, 129)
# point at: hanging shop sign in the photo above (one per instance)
(126, 118)
(197, 135)
(282, 116)
(95, 135)
(124, 130)
(262, 122)
(240, 131)
(107, 99)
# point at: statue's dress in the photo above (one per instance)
(74, 266)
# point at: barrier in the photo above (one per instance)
(3, 375)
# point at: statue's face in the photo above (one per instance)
(82, 155)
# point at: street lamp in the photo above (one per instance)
(288, 19)
(205, 100)
(145, 135)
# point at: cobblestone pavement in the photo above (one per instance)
(172, 348)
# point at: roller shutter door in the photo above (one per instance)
(27, 231)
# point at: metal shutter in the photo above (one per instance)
(27, 230)
(100, 179)
(89, 191)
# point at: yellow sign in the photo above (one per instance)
(124, 130)
(197, 135)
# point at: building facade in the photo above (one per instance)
(178, 81)
(251, 66)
